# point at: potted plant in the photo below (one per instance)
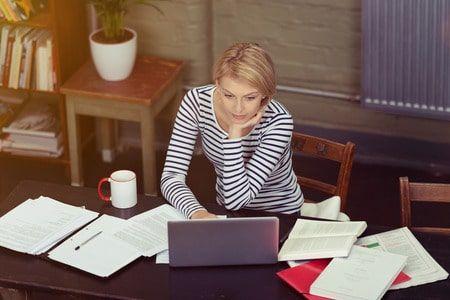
(114, 47)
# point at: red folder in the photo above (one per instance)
(301, 277)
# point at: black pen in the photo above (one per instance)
(89, 239)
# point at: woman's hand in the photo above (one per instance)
(203, 214)
(237, 130)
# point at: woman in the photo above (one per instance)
(245, 134)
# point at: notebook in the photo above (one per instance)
(218, 242)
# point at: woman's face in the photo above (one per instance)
(238, 101)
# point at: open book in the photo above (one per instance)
(320, 239)
(36, 225)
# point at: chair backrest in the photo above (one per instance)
(422, 192)
(326, 149)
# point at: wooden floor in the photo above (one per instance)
(373, 194)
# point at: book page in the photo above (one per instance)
(310, 228)
(162, 257)
(148, 231)
(420, 266)
(311, 248)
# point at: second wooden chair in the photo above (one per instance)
(422, 192)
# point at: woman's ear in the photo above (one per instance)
(264, 101)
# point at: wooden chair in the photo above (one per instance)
(326, 149)
(422, 192)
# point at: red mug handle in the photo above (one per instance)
(99, 189)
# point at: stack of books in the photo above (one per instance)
(34, 132)
(27, 58)
(20, 10)
(10, 103)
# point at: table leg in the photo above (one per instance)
(75, 151)
(105, 138)
(148, 152)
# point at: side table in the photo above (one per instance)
(154, 83)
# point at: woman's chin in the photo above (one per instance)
(239, 121)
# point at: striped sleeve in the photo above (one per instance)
(178, 157)
(242, 182)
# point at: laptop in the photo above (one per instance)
(220, 242)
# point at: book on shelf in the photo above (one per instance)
(43, 68)
(10, 104)
(44, 143)
(8, 12)
(364, 274)
(8, 53)
(36, 119)
(3, 44)
(16, 55)
(20, 10)
(35, 143)
(31, 151)
(310, 239)
(27, 57)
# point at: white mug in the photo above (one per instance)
(123, 189)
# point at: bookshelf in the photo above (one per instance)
(66, 20)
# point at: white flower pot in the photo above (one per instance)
(114, 61)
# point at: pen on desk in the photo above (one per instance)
(89, 239)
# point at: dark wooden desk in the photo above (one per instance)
(143, 279)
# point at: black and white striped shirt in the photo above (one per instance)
(253, 172)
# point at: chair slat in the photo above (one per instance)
(317, 147)
(438, 230)
(429, 192)
(316, 184)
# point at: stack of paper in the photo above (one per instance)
(364, 274)
(320, 239)
(421, 267)
(36, 225)
(109, 243)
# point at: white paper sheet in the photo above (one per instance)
(420, 266)
(162, 257)
(147, 231)
(102, 255)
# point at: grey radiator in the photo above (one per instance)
(406, 57)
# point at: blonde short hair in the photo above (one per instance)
(249, 62)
